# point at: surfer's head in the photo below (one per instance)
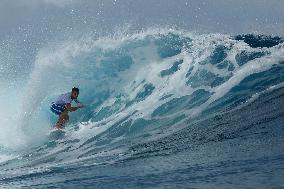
(74, 93)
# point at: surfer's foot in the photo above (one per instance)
(58, 127)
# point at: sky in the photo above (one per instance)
(28, 25)
(223, 16)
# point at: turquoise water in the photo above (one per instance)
(164, 109)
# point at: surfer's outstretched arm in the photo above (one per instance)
(70, 108)
(80, 104)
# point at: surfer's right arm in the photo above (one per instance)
(70, 108)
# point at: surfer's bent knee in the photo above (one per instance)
(64, 114)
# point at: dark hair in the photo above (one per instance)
(75, 89)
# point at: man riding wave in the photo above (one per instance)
(62, 106)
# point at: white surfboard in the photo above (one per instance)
(56, 134)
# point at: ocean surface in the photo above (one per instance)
(165, 108)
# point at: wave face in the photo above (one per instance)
(165, 109)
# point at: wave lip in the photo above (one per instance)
(261, 41)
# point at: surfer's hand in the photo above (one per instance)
(81, 106)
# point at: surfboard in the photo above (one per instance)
(56, 134)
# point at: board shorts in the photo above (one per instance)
(57, 108)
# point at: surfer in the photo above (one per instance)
(62, 106)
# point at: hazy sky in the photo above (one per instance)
(225, 16)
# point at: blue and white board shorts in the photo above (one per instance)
(57, 108)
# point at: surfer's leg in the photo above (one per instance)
(63, 118)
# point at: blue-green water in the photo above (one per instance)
(164, 109)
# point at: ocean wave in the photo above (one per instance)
(141, 87)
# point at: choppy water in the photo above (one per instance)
(165, 109)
